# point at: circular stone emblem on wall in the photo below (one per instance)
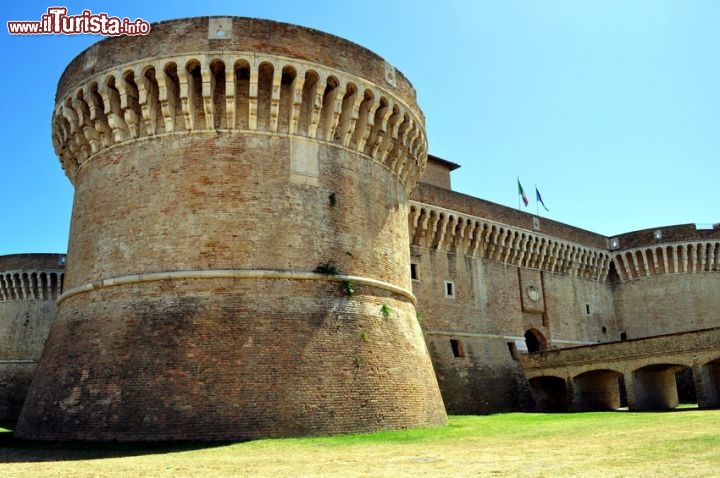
(532, 293)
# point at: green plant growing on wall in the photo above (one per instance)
(349, 288)
(386, 311)
(327, 268)
(419, 318)
(358, 362)
(363, 336)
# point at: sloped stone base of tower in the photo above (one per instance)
(207, 359)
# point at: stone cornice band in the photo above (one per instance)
(235, 274)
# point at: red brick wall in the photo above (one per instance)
(236, 357)
(225, 359)
(666, 304)
(26, 314)
(208, 359)
(436, 174)
(225, 201)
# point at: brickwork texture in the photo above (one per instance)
(237, 266)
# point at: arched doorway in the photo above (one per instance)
(550, 394)
(535, 341)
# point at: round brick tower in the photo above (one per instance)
(29, 285)
(238, 264)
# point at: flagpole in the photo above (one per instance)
(537, 206)
(518, 194)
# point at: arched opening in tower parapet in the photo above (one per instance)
(362, 121)
(327, 110)
(113, 98)
(661, 261)
(613, 275)
(343, 127)
(34, 285)
(287, 92)
(266, 72)
(535, 341)
(174, 104)
(153, 101)
(242, 94)
(681, 259)
(217, 70)
(133, 112)
(195, 94)
(386, 139)
(692, 257)
(550, 394)
(596, 390)
(308, 102)
(378, 124)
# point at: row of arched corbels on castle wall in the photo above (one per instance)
(689, 257)
(257, 93)
(437, 228)
(31, 285)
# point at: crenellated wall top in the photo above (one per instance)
(30, 277)
(31, 261)
(438, 228)
(665, 235)
(334, 92)
(187, 36)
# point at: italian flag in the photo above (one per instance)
(522, 193)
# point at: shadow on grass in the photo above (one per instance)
(16, 450)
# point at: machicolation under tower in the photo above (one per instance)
(238, 255)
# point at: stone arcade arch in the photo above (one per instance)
(655, 387)
(709, 376)
(654, 371)
(596, 390)
(550, 393)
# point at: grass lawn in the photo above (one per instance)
(609, 444)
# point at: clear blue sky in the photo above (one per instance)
(611, 107)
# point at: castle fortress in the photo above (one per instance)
(261, 246)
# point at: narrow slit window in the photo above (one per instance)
(587, 309)
(449, 289)
(457, 348)
(414, 271)
(513, 350)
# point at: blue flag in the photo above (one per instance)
(538, 197)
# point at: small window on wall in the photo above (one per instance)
(414, 271)
(513, 350)
(449, 289)
(587, 309)
(457, 348)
